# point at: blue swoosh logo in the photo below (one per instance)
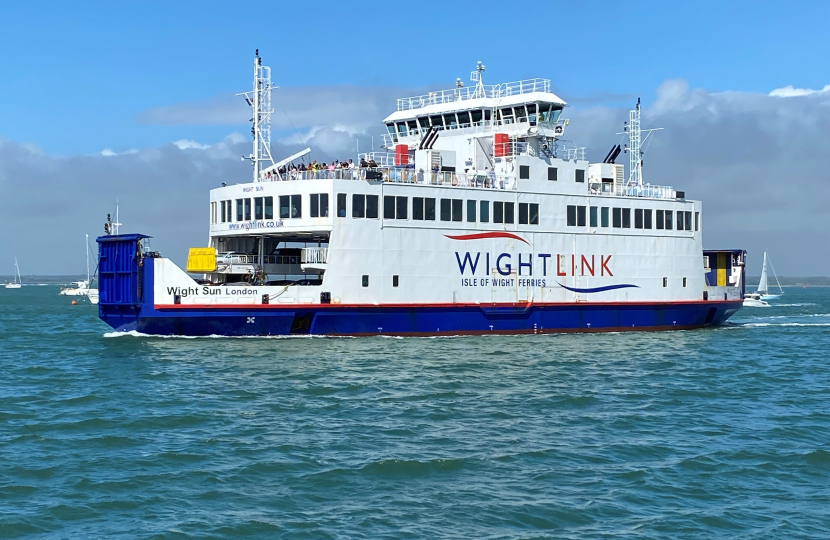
(598, 289)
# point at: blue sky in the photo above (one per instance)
(76, 76)
(134, 101)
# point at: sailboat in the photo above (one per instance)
(763, 286)
(16, 283)
(82, 288)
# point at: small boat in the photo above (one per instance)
(15, 283)
(82, 288)
(754, 300)
(763, 287)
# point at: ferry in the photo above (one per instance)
(478, 217)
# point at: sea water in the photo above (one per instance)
(713, 433)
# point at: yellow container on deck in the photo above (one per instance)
(200, 260)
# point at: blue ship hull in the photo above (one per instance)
(415, 320)
(126, 304)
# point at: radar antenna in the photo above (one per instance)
(477, 77)
(636, 147)
(259, 99)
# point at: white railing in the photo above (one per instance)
(474, 92)
(314, 255)
(646, 191)
(404, 175)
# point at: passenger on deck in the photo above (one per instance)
(363, 163)
(372, 163)
(351, 164)
(420, 176)
(491, 177)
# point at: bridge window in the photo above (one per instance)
(521, 113)
(437, 120)
(319, 205)
(603, 216)
(413, 126)
(498, 212)
(617, 214)
(626, 218)
(552, 173)
(372, 206)
(593, 213)
(534, 214)
(423, 122)
(680, 224)
(638, 218)
(269, 207)
(647, 219)
(688, 221)
(450, 120)
(668, 220)
(358, 206)
(660, 220)
(528, 214)
(484, 211)
(239, 213)
(523, 217)
(341, 205)
(402, 129)
(508, 212)
(475, 116)
(390, 127)
(464, 119)
(258, 208)
(471, 211)
(580, 175)
(224, 213)
(247, 209)
(524, 172)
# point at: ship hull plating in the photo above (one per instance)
(421, 320)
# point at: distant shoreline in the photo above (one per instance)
(752, 282)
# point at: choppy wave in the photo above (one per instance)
(712, 433)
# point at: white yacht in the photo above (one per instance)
(15, 283)
(81, 288)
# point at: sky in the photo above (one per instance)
(135, 101)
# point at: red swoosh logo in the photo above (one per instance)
(478, 236)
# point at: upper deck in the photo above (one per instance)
(457, 95)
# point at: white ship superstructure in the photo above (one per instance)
(478, 218)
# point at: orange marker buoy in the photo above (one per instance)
(74, 302)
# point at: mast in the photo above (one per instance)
(259, 100)
(87, 259)
(635, 147)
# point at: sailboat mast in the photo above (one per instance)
(87, 258)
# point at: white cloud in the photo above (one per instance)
(790, 91)
(187, 144)
(756, 161)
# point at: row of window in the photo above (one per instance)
(290, 206)
(531, 112)
(424, 209)
(553, 174)
(621, 218)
